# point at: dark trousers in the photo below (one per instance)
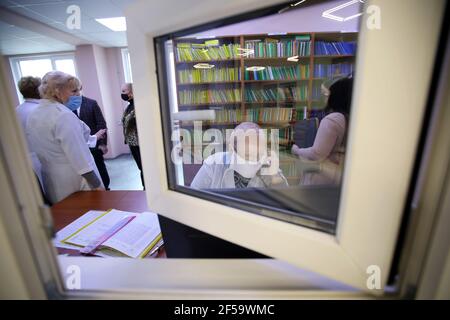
(100, 162)
(136, 153)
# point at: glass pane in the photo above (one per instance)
(258, 111)
(35, 68)
(66, 65)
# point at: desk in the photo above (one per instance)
(74, 206)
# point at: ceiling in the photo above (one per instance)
(19, 38)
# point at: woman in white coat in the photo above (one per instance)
(59, 139)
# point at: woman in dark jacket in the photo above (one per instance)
(130, 128)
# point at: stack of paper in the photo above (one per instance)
(138, 238)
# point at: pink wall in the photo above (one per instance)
(87, 73)
(85, 63)
(110, 77)
(101, 72)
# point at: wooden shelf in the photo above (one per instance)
(209, 123)
(253, 104)
(278, 102)
(237, 82)
(259, 59)
(270, 59)
(209, 61)
(239, 102)
(275, 81)
(334, 56)
(242, 62)
(208, 104)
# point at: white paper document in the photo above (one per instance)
(132, 239)
(136, 239)
(97, 228)
(73, 227)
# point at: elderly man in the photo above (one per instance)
(246, 165)
(90, 113)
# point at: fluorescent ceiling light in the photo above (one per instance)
(203, 66)
(115, 24)
(329, 14)
(291, 6)
(296, 4)
(255, 68)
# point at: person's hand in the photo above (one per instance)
(103, 148)
(100, 133)
(294, 149)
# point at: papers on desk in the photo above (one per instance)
(136, 239)
(73, 227)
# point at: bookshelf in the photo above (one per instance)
(272, 80)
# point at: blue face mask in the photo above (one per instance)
(73, 103)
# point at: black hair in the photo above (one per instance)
(340, 99)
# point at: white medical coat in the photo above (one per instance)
(59, 139)
(216, 173)
(25, 109)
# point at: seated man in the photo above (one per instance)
(245, 165)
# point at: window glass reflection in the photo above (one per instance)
(261, 117)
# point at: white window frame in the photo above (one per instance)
(342, 257)
(126, 62)
(15, 64)
(367, 211)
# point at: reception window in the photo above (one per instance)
(257, 114)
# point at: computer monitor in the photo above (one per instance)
(181, 241)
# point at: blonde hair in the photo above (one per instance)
(53, 82)
(77, 83)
